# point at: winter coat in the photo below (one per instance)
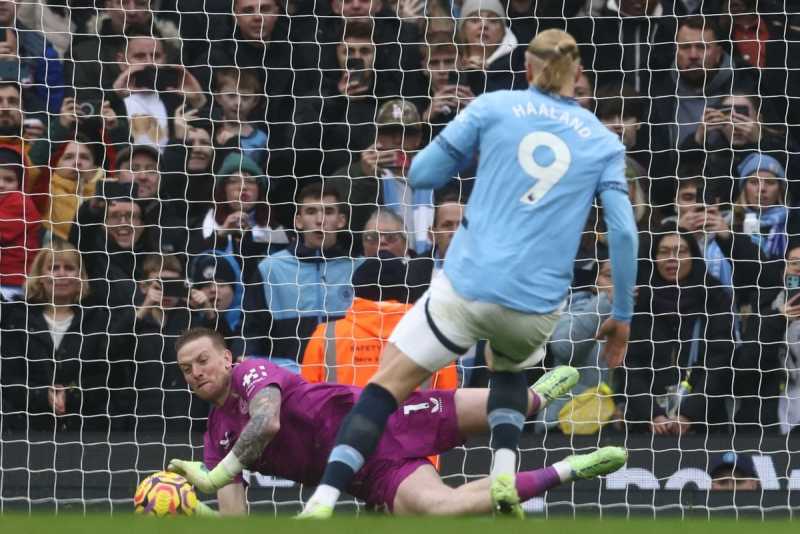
(295, 290)
(92, 362)
(19, 237)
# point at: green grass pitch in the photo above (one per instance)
(129, 524)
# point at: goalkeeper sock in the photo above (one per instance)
(537, 403)
(532, 483)
(358, 436)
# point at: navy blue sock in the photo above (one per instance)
(359, 435)
(506, 408)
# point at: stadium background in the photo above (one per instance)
(164, 150)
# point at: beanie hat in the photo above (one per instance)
(760, 162)
(470, 7)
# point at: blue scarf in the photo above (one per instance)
(772, 237)
(393, 191)
(718, 265)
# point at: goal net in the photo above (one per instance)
(240, 165)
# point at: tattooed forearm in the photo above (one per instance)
(264, 413)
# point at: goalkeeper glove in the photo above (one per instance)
(205, 480)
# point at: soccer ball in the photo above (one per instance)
(165, 494)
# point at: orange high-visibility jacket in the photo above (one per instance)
(348, 351)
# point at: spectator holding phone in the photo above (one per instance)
(94, 120)
(767, 377)
(702, 74)
(241, 221)
(378, 177)
(398, 37)
(93, 59)
(700, 214)
(19, 226)
(729, 133)
(238, 93)
(329, 129)
(153, 90)
(449, 91)
(217, 291)
(165, 311)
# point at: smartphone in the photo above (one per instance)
(453, 77)
(742, 110)
(476, 81)
(145, 78)
(168, 77)
(174, 287)
(792, 284)
(112, 189)
(89, 108)
(355, 65)
(706, 197)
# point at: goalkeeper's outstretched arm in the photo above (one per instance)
(264, 424)
(232, 499)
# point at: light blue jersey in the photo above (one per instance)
(542, 159)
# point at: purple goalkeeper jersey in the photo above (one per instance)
(310, 416)
(426, 424)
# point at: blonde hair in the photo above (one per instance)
(34, 288)
(555, 53)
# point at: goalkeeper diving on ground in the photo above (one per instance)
(542, 159)
(269, 420)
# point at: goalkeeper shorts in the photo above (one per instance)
(443, 325)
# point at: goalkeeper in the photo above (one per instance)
(272, 421)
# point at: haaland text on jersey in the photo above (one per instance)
(545, 110)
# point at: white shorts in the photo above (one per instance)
(443, 325)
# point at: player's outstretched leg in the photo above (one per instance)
(424, 493)
(511, 491)
(362, 428)
(506, 422)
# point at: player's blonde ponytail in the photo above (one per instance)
(555, 53)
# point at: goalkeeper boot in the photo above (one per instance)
(555, 383)
(505, 497)
(600, 462)
(315, 510)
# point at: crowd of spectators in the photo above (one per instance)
(240, 165)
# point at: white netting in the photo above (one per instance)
(223, 118)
